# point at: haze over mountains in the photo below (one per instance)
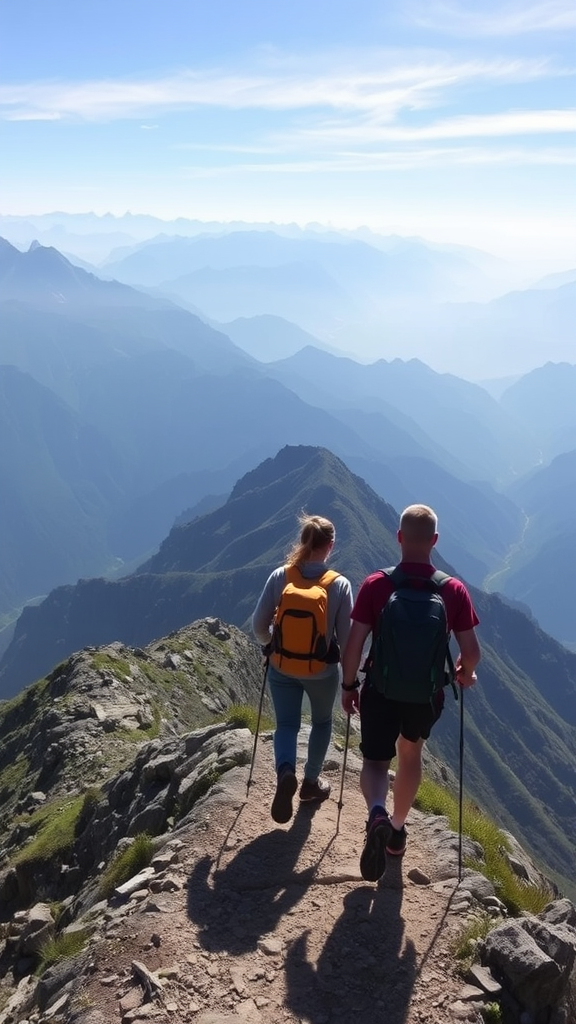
(123, 412)
(165, 411)
(374, 295)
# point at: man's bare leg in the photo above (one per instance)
(374, 786)
(374, 783)
(408, 777)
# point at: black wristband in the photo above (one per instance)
(353, 686)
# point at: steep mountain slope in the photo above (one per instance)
(505, 336)
(215, 565)
(43, 277)
(268, 338)
(541, 571)
(167, 419)
(173, 400)
(526, 697)
(467, 422)
(544, 402)
(86, 321)
(545, 580)
(61, 482)
(478, 525)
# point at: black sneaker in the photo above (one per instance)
(286, 786)
(396, 845)
(373, 858)
(314, 792)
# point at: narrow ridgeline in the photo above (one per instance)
(141, 878)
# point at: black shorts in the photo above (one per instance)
(382, 721)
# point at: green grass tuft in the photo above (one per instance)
(516, 894)
(127, 863)
(244, 716)
(61, 947)
(118, 667)
(56, 825)
(465, 944)
(491, 1013)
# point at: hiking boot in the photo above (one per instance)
(314, 791)
(378, 834)
(286, 786)
(396, 845)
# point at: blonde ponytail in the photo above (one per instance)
(316, 533)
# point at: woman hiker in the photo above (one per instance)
(300, 600)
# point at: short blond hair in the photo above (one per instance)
(418, 523)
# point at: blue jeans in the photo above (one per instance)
(287, 694)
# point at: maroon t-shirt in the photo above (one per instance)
(376, 590)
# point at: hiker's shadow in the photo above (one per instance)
(365, 971)
(247, 898)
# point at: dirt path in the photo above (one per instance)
(274, 923)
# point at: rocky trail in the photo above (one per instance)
(246, 920)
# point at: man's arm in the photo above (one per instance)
(468, 658)
(351, 657)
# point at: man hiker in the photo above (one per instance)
(396, 717)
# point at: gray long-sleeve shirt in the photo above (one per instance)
(339, 603)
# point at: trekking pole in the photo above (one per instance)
(460, 786)
(249, 783)
(340, 802)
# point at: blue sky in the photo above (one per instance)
(450, 120)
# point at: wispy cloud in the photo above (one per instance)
(506, 19)
(516, 122)
(392, 160)
(376, 84)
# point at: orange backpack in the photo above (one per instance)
(300, 645)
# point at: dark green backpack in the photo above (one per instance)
(410, 658)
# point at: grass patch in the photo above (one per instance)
(55, 831)
(56, 909)
(244, 716)
(12, 777)
(516, 894)
(127, 863)
(465, 945)
(491, 1013)
(116, 666)
(90, 801)
(61, 947)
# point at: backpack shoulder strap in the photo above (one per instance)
(396, 575)
(328, 577)
(293, 574)
(439, 578)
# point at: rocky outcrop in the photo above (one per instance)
(153, 794)
(534, 958)
(78, 727)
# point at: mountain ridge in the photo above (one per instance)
(217, 564)
(165, 888)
